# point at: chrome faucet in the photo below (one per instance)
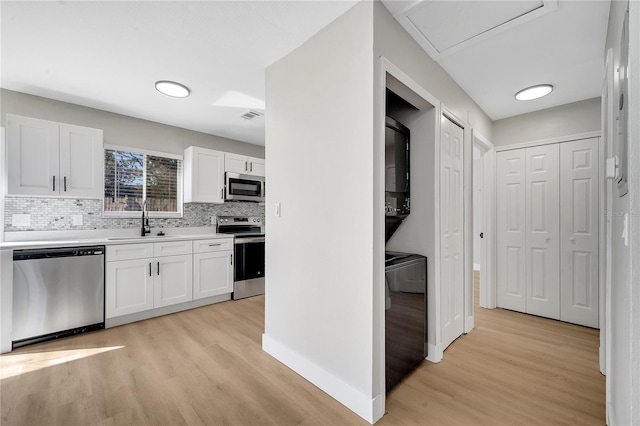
(146, 228)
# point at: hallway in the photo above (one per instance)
(512, 368)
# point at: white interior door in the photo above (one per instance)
(579, 232)
(451, 231)
(542, 246)
(510, 252)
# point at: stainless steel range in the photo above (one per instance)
(248, 274)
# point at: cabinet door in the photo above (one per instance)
(256, 167)
(81, 162)
(511, 237)
(236, 163)
(579, 232)
(203, 175)
(212, 274)
(33, 156)
(129, 287)
(542, 281)
(172, 281)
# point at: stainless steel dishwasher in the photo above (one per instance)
(57, 292)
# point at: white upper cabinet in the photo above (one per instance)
(242, 164)
(81, 161)
(203, 175)
(54, 159)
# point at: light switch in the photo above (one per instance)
(277, 211)
(77, 220)
(21, 220)
(611, 167)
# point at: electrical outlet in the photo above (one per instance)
(21, 220)
(278, 210)
(77, 220)
(214, 219)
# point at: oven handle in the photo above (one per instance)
(245, 240)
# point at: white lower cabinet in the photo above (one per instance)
(172, 282)
(212, 267)
(144, 276)
(129, 287)
(136, 281)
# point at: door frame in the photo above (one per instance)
(488, 225)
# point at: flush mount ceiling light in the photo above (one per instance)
(171, 88)
(534, 92)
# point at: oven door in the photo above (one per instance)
(249, 267)
(244, 187)
(249, 258)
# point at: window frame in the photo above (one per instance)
(152, 214)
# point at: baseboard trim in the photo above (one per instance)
(469, 324)
(165, 310)
(366, 407)
(434, 353)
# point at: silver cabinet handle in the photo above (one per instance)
(221, 193)
(65, 184)
(214, 245)
(251, 166)
(158, 268)
(149, 268)
(54, 183)
(245, 166)
(232, 259)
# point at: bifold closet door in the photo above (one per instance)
(451, 231)
(542, 247)
(511, 233)
(579, 232)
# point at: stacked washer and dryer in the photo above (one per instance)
(405, 273)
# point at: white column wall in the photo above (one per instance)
(319, 262)
(623, 393)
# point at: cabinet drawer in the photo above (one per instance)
(129, 251)
(172, 248)
(214, 244)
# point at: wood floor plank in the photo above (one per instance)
(206, 367)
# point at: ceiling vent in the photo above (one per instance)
(251, 114)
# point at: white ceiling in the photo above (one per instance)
(108, 54)
(495, 48)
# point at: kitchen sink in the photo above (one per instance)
(148, 237)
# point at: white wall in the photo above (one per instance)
(319, 132)
(624, 375)
(565, 120)
(119, 129)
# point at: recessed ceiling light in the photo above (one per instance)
(171, 88)
(534, 92)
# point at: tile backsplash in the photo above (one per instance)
(56, 214)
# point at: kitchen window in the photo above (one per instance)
(132, 176)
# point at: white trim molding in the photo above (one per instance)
(559, 139)
(363, 405)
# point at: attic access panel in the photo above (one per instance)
(443, 27)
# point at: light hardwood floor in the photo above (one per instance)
(206, 366)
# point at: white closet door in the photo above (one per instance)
(451, 232)
(510, 273)
(542, 233)
(579, 232)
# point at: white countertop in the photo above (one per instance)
(42, 239)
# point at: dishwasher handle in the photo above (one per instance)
(49, 253)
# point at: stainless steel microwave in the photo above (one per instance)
(244, 187)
